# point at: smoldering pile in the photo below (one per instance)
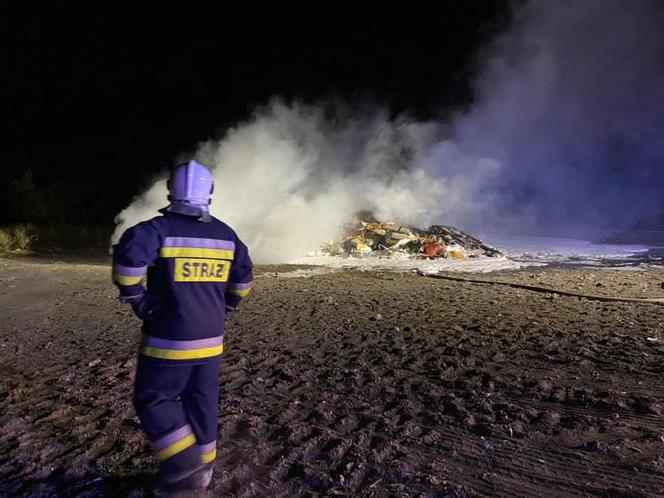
(370, 237)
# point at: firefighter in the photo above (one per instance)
(197, 269)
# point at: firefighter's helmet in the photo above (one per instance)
(192, 183)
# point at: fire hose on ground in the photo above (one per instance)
(545, 290)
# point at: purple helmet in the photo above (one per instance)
(190, 182)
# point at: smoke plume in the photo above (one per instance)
(571, 104)
(566, 132)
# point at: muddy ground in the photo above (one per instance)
(350, 384)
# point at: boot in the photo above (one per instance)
(190, 486)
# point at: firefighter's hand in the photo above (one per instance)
(143, 309)
(139, 308)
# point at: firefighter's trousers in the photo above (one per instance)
(177, 405)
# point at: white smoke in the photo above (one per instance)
(291, 176)
(565, 132)
(570, 101)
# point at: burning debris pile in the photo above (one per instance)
(370, 237)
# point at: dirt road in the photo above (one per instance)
(349, 384)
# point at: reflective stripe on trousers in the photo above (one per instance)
(208, 452)
(181, 439)
(174, 442)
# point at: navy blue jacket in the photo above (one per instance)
(195, 270)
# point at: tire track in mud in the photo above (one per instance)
(356, 385)
(509, 476)
(474, 458)
(61, 422)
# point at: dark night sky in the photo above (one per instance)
(108, 96)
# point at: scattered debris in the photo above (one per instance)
(390, 240)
